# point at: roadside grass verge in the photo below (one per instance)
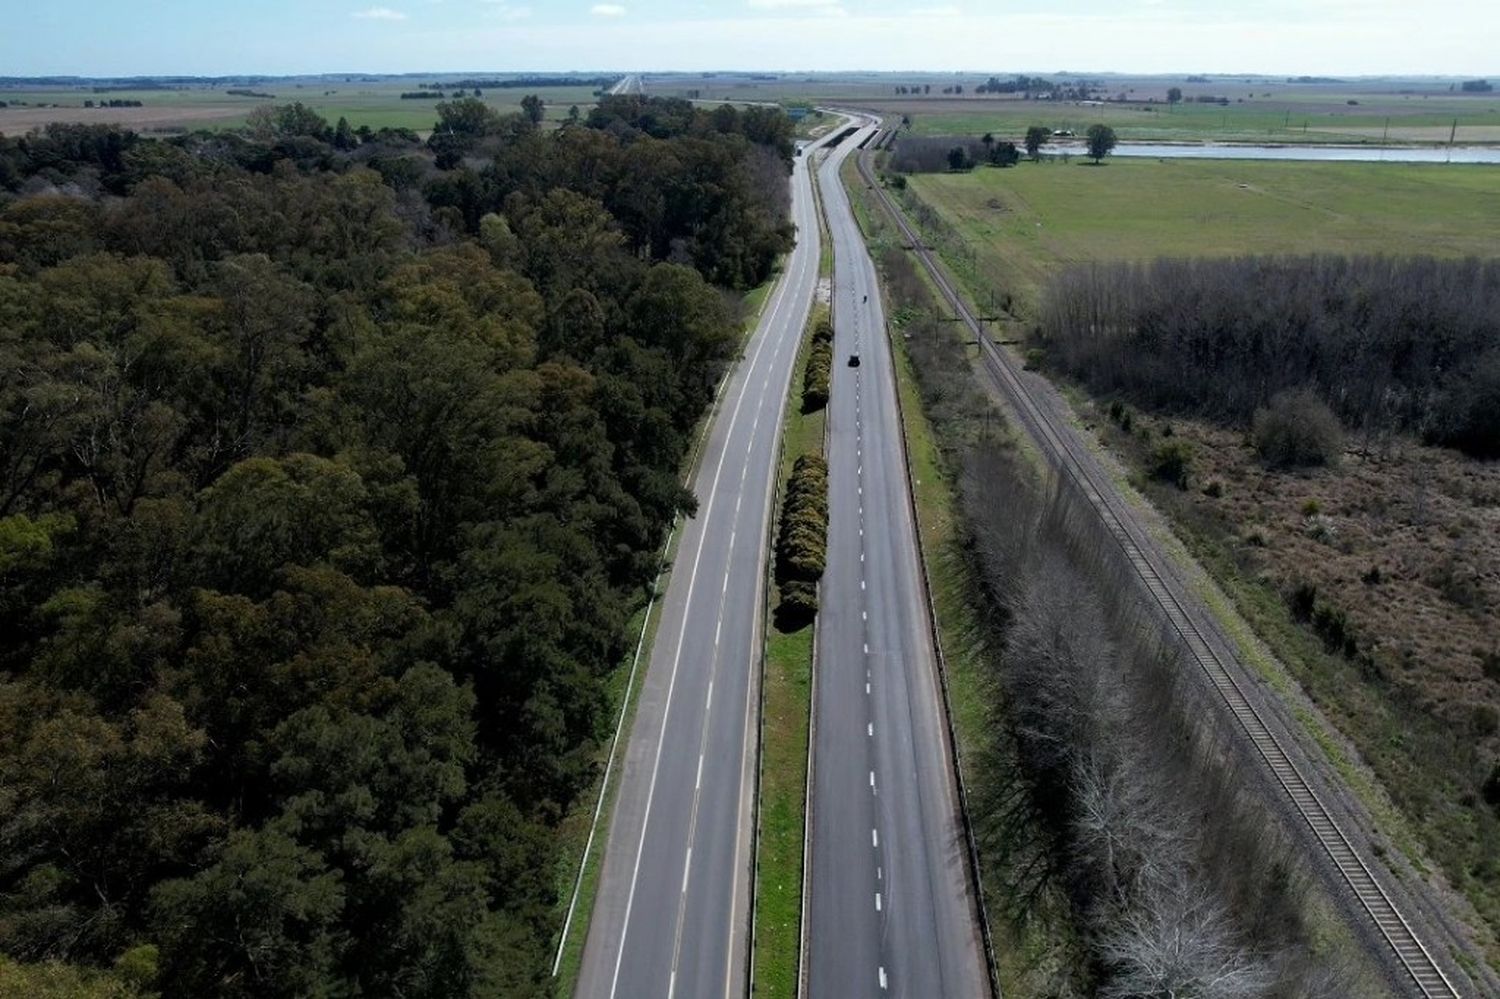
(573, 832)
(786, 716)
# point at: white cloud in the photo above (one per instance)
(792, 4)
(380, 14)
(949, 10)
(607, 10)
(503, 11)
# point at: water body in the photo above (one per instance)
(1361, 154)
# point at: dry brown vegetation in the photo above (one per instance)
(1378, 580)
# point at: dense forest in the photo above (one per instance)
(1409, 344)
(331, 465)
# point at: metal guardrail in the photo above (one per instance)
(1061, 449)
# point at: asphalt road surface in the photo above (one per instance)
(891, 913)
(672, 912)
(629, 85)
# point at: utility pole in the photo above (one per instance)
(1451, 133)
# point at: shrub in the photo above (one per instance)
(799, 604)
(1214, 490)
(1302, 600)
(1296, 429)
(802, 540)
(818, 376)
(1491, 787)
(1490, 663)
(1486, 720)
(1172, 461)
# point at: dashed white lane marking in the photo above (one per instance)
(698, 780)
(882, 978)
(867, 648)
(870, 729)
(687, 865)
(867, 688)
(861, 556)
(864, 615)
(877, 901)
(875, 838)
(717, 627)
(861, 584)
(872, 778)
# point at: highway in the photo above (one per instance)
(890, 909)
(672, 913)
(632, 84)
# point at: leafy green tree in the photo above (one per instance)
(1004, 154)
(261, 920)
(1174, 95)
(533, 108)
(1037, 136)
(1101, 141)
(958, 158)
(343, 136)
(265, 513)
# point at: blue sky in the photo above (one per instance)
(110, 37)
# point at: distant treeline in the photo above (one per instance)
(938, 153)
(333, 465)
(1389, 343)
(116, 103)
(239, 92)
(1028, 86)
(528, 81)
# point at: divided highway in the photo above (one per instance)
(890, 910)
(672, 913)
(632, 84)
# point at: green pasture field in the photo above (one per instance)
(1018, 225)
(376, 104)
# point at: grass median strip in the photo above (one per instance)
(787, 715)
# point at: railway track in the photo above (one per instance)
(1066, 453)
